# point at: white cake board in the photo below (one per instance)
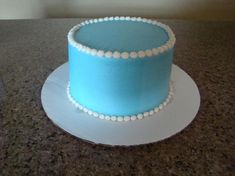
(169, 121)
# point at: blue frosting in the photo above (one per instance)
(120, 86)
(121, 35)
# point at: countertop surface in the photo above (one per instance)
(30, 144)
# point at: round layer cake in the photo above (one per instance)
(120, 67)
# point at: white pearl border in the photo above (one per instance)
(123, 55)
(122, 118)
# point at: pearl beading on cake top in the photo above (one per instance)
(122, 118)
(123, 55)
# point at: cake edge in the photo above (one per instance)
(125, 118)
(123, 55)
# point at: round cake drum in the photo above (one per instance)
(172, 119)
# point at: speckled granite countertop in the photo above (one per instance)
(30, 144)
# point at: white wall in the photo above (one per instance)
(181, 9)
(17, 9)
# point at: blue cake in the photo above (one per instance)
(120, 67)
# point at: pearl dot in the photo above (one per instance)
(95, 114)
(156, 109)
(79, 106)
(133, 19)
(165, 47)
(167, 100)
(141, 54)
(154, 22)
(93, 52)
(169, 45)
(146, 114)
(101, 116)
(148, 53)
(133, 55)
(165, 103)
(107, 117)
(160, 24)
(116, 54)
(79, 46)
(133, 117)
(116, 18)
(155, 51)
(127, 118)
(76, 105)
(140, 116)
(113, 118)
(173, 38)
(149, 21)
(124, 55)
(84, 48)
(100, 53)
(161, 49)
(89, 112)
(108, 54)
(169, 97)
(144, 20)
(120, 119)
(88, 50)
(151, 112)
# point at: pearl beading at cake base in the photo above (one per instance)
(122, 118)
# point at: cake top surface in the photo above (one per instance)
(121, 36)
